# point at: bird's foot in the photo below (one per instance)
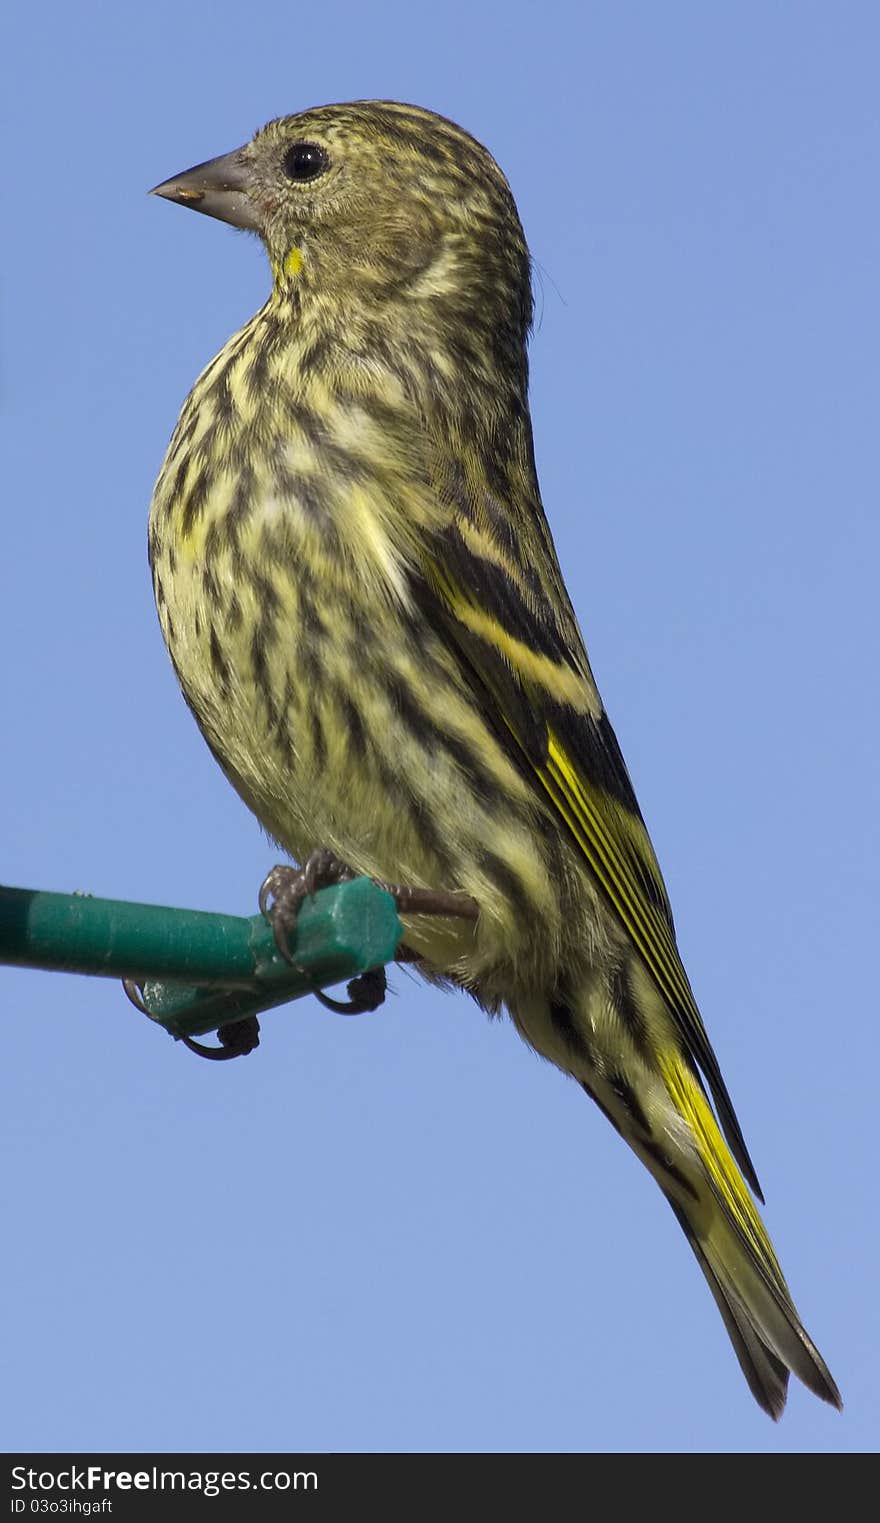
(285, 889)
(282, 895)
(237, 1038)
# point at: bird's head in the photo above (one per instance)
(372, 196)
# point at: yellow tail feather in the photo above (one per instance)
(732, 1248)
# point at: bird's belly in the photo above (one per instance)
(358, 733)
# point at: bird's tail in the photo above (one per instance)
(735, 1254)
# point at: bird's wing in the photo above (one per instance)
(505, 611)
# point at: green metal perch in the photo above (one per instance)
(198, 971)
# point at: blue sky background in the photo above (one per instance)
(405, 1232)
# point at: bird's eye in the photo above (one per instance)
(305, 161)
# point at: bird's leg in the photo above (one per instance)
(431, 901)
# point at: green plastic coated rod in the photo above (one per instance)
(199, 970)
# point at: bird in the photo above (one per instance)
(362, 601)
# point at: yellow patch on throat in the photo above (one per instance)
(292, 263)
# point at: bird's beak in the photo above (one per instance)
(219, 188)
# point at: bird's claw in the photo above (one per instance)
(366, 992)
(237, 1039)
(134, 991)
(285, 889)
